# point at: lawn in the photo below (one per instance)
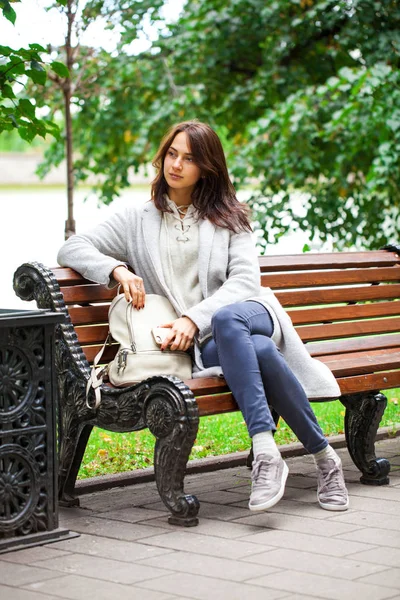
(109, 452)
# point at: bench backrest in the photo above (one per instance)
(340, 303)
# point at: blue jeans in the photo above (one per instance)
(258, 374)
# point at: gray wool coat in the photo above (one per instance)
(228, 273)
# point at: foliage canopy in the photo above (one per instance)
(17, 67)
(304, 93)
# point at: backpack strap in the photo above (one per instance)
(96, 377)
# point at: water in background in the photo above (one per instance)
(32, 229)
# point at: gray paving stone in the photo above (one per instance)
(157, 505)
(299, 541)
(301, 509)
(212, 566)
(352, 476)
(363, 519)
(102, 568)
(205, 588)
(119, 530)
(387, 507)
(76, 587)
(8, 593)
(224, 529)
(302, 494)
(296, 523)
(73, 513)
(301, 597)
(119, 498)
(132, 514)
(331, 588)
(389, 557)
(390, 578)
(382, 492)
(243, 490)
(29, 555)
(301, 481)
(370, 535)
(318, 564)
(210, 545)
(220, 497)
(15, 574)
(225, 513)
(109, 548)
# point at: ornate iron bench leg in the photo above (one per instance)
(172, 417)
(72, 449)
(363, 415)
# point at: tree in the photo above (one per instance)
(16, 67)
(309, 93)
(82, 85)
(305, 94)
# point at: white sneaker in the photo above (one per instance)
(268, 481)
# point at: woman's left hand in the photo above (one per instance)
(182, 333)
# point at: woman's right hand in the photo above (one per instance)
(132, 286)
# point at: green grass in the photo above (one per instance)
(220, 434)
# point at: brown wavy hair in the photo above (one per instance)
(214, 196)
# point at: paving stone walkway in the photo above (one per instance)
(296, 551)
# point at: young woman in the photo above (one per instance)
(192, 243)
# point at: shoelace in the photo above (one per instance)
(261, 471)
(332, 484)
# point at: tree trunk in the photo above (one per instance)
(67, 91)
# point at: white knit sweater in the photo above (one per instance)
(179, 242)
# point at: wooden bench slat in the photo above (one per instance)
(88, 315)
(220, 403)
(333, 296)
(369, 383)
(87, 293)
(327, 260)
(363, 362)
(207, 385)
(342, 313)
(93, 334)
(328, 331)
(328, 278)
(317, 349)
(66, 276)
(223, 403)
(109, 352)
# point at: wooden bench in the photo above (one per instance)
(344, 305)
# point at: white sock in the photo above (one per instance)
(264, 443)
(327, 452)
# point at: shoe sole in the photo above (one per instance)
(275, 499)
(334, 507)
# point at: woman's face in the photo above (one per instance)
(180, 171)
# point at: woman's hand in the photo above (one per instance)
(182, 333)
(132, 286)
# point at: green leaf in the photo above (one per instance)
(36, 65)
(37, 47)
(37, 76)
(13, 120)
(7, 91)
(16, 66)
(8, 11)
(27, 109)
(5, 50)
(27, 132)
(60, 69)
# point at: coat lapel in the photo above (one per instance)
(206, 238)
(151, 221)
